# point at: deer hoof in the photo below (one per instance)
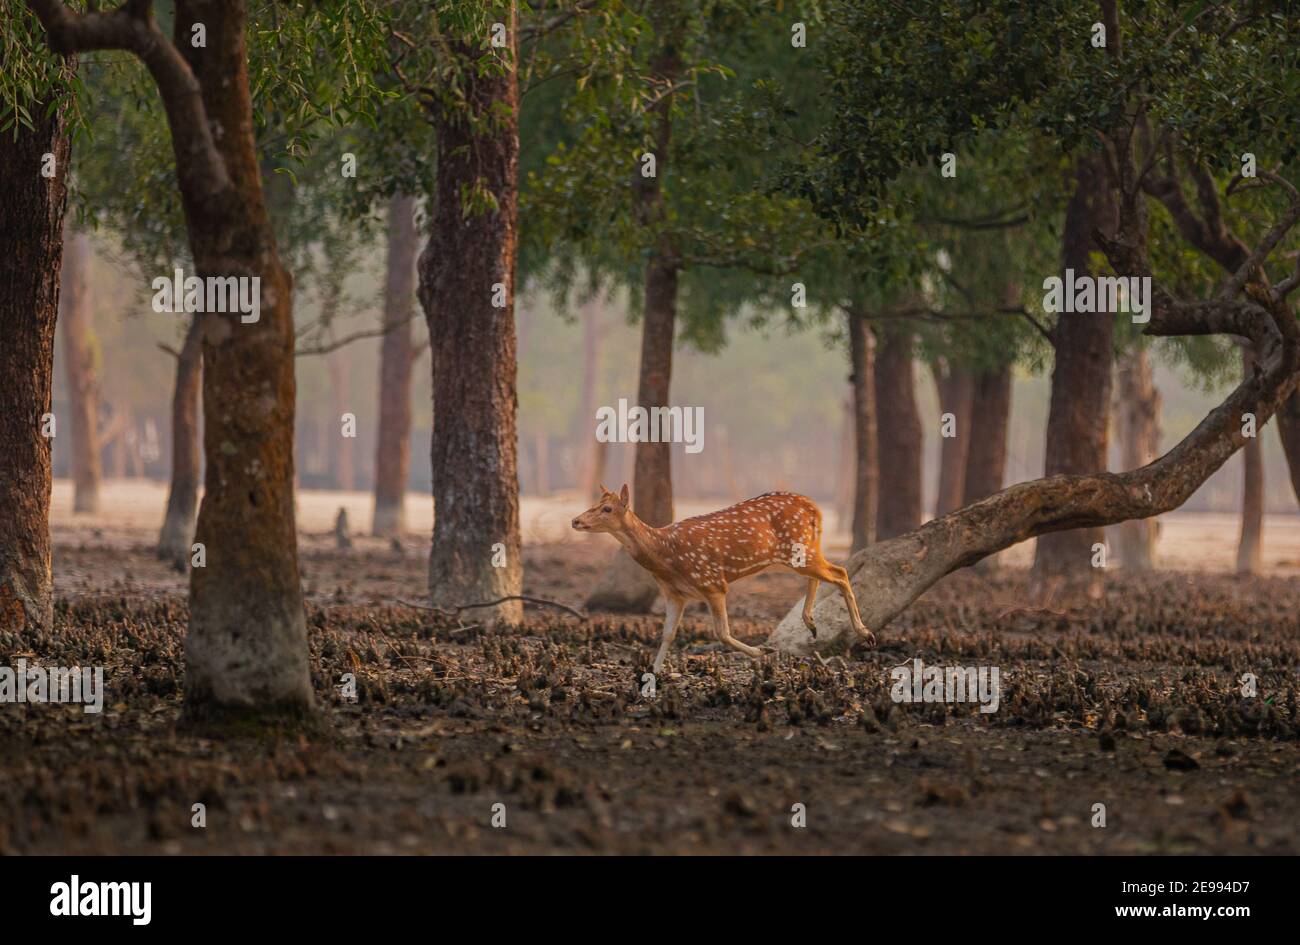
(812, 628)
(868, 637)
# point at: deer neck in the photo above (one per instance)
(641, 542)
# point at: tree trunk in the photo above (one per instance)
(468, 264)
(31, 219)
(1137, 426)
(898, 435)
(1250, 544)
(79, 356)
(393, 451)
(866, 471)
(246, 652)
(956, 388)
(1288, 431)
(986, 460)
(342, 448)
(626, 586)
(183, 494)
(1081, 385)
(592, 451)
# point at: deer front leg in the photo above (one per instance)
(673, 608)
(718, 607)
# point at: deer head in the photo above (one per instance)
(610, 514)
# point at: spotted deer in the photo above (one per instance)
(699, 558)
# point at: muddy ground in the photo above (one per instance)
(1132, 702)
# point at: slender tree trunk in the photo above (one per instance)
(342, 447)
(625, 585)
(393, 451)
(1081, 384)
(246, 652)
(468, 265)
(79, 356)
(866, 470)
(31, 219)
(986, 460)
(1250, 544)
(898, 435)
(1137, 426)
(592, 451)
(183, 494)
(956, 388)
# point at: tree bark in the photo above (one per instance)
(393, 451)
(592, 462)
(866, 470)
(31, 219)
(1288, 431)
(246, 652)
(183, 494)
(956, 388)
(898, 437)
(1250, 543)
(1081, 384)
(626, 586)
(468, 264)
(342, 448)
(986, 460)
(1137, 426)
(80, 350)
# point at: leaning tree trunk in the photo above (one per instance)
(183, 494)
(1250, 543)
(246, 652)
(79, 368)
(956, 388)
(898, 437)
(393, 451)
(31, 219)
(1081, 385)
(866, 470)
(1137, 427)
(467, 267)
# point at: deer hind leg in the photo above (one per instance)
(809, 600)
(718, 607)
(672, 617)
(821, 569)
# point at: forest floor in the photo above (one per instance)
(1133, 702)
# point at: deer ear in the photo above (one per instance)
(622, 494)
(603, 490)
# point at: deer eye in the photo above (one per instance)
(607, 509)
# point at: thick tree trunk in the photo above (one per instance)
(246, 652)
(1250, 543)
(1081, 384)
(956, 388)
(31, 219)
(183, 494)
(1288, 431)
(898, 437)
(80, 371)
(468, 264)
(1137, 427)
(342, 448)
(866, 470)
(591, 470)
(393, 451)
